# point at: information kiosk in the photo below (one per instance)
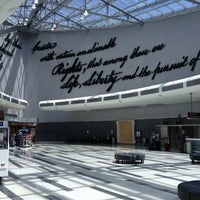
(4, 149)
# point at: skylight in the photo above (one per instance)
(66, 15)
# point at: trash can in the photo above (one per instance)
(189, 147)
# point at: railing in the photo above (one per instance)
(7, 101)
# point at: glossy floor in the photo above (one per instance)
(86, 172)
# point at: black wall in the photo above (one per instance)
(79, 132)
(82, 132)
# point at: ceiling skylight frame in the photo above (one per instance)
(101, 13)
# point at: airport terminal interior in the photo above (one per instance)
(99, 99)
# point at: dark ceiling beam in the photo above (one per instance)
(68, 19)
(125, 13)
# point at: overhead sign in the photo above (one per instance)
(193, 115)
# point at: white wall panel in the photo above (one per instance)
(7, 7)
(179, 40)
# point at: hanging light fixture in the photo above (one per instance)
(54, 25)
(85, 9)
(82, 17)
(33, 6)
(35, 3)
(85, 13)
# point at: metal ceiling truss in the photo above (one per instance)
(122, 11)
(61, 15)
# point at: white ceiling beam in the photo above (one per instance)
(7, 7)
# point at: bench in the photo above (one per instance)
(195, 156)
(129, 157)
(189, 190)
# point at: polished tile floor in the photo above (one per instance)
(89, 172)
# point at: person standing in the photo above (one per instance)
(17, 139)
(153, 140)
(178, 138)
(112, 137)
(157, 141)
(182, 140)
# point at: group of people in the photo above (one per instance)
(109, 139)
(155, 142)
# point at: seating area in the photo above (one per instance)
(189, 190)
(195, 156)
(124, 157)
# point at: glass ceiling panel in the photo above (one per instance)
(176, 7)
(154, 13)
(66, 15)
(188, 4)
(145, 16)
(165, 10)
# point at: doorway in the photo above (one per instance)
(126, 132)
